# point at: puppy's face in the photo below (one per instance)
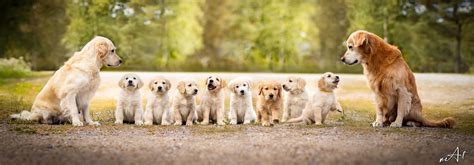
(214, 83)
(328, 81)
(240, 88)
(188, 87)
(106, 52)
(358, 48)
(130, 82)
(159, 85)
(270, 90)
(294, 84)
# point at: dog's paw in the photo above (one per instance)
(77, 123)
(318, 123)
(178, 123)
(138, 122)
(148, 123)
(411, 124)
(377, 124)
(246, 122)
(204, 123)
(165, 123)
(220, 123)
(118, 122)
(396, 125)
(267, 124)
(233, 122)
(189, 123)
(94, 123)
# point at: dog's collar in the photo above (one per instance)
(325, 91)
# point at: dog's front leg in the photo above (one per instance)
(379, 113)
(165, 118)
(266, 115)
(119, 113)
(191, 116)
(275, 114)
(87, 116)
(403, 108)
(220, 114)
(318, 116)
(68, 103)
(148, 117)
(178, 120)
(138, 114)
(205, 110)
(250, 116)
(233, 115)
(286, 111)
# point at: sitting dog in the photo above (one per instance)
(184, 102)
(241, 107)
(158, 106)
(296, 97)
(212, 104)
(129, 101)
(269, 102)
(322, 101)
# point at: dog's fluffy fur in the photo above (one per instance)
(184, 102)
(129, 102)
(241, 107)
(158, 106)
(392, 81)
(269, 102)
(322, 101)
(296, 97)
(66, 95)
(211, 109)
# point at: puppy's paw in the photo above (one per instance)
(245, 122)
(94, 123)
(178, 123)
(396, 125)
(377, 124)
(138, 122)
(412, 124)
(318, 123)
(204, 123)
(220, 123)
(118, 122)
(233, 122)
(148, 123)
(267, 124)
(165, 123)
(189, 123)
(77, 122)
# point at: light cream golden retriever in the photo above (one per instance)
(184, 102)
(296, 97)
(212, 109)
(322, 102)
(269, 102)
(129, 101)
(391, 79)
(158, 106)
(66, 95)
(241, 107)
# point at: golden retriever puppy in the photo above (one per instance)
(66, 95)
(391, 79)
(269, 102)
(241, 107)
(322, 102)
(296, 97)
(129, 102)
(158, 106)
(184, 102)
(212, 102)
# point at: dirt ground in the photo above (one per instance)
(346, 139)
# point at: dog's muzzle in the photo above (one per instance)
(242, 92)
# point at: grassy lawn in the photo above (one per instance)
(18, 94)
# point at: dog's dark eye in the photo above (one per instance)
(210, 77)
(126, 78)
(156, 82)
(237, 86)
(113, 50)
(217, 79)
(290, 81)
(244, 85)
(164, 82)
(329, 76)
(134, 78)
(189, 85)
(266, 88)
(350, 46)
(274, 88)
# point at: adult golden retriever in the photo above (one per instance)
(392, 81)
(67, 94)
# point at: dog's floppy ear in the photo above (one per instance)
(121, 83)
(181, 87)
(322, 84)
(230, 86)
(150, 84)
(101, 47)
(168, 84)
(140, 83)
(362, 40)
(223, 83)
(260, 87)
(207, 80)
(279, 90)
(301, 83)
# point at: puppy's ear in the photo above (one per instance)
(363, 41)
(168, 84)
(279, 90)
(230, 86)
(101, 47)
(121, 83)
(207, 80)
(181, 87)
(140, 83)
(322, 84)
(223, 83)
(150, 85)
(301, 83)
(260, 88)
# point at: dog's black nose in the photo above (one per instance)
(120, 61)
(211, 81)
(242, 91)
(130, 81)
(284, 85)
(343, 59)
(337, 77)
(159, 88)
(271, 95)
(195, 91)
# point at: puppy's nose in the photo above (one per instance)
(343, 59)
(271, 95)
(130, 81)
(195, 91)
(159, 88)
(120, 61)
(242, 91)
(284, 85)
(337, 77)
(211, 81)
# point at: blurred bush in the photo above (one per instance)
(14, 68)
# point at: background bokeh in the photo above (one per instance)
(235, 35)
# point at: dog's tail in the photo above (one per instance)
(448, 122)
(295, 120)
(26, 115)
